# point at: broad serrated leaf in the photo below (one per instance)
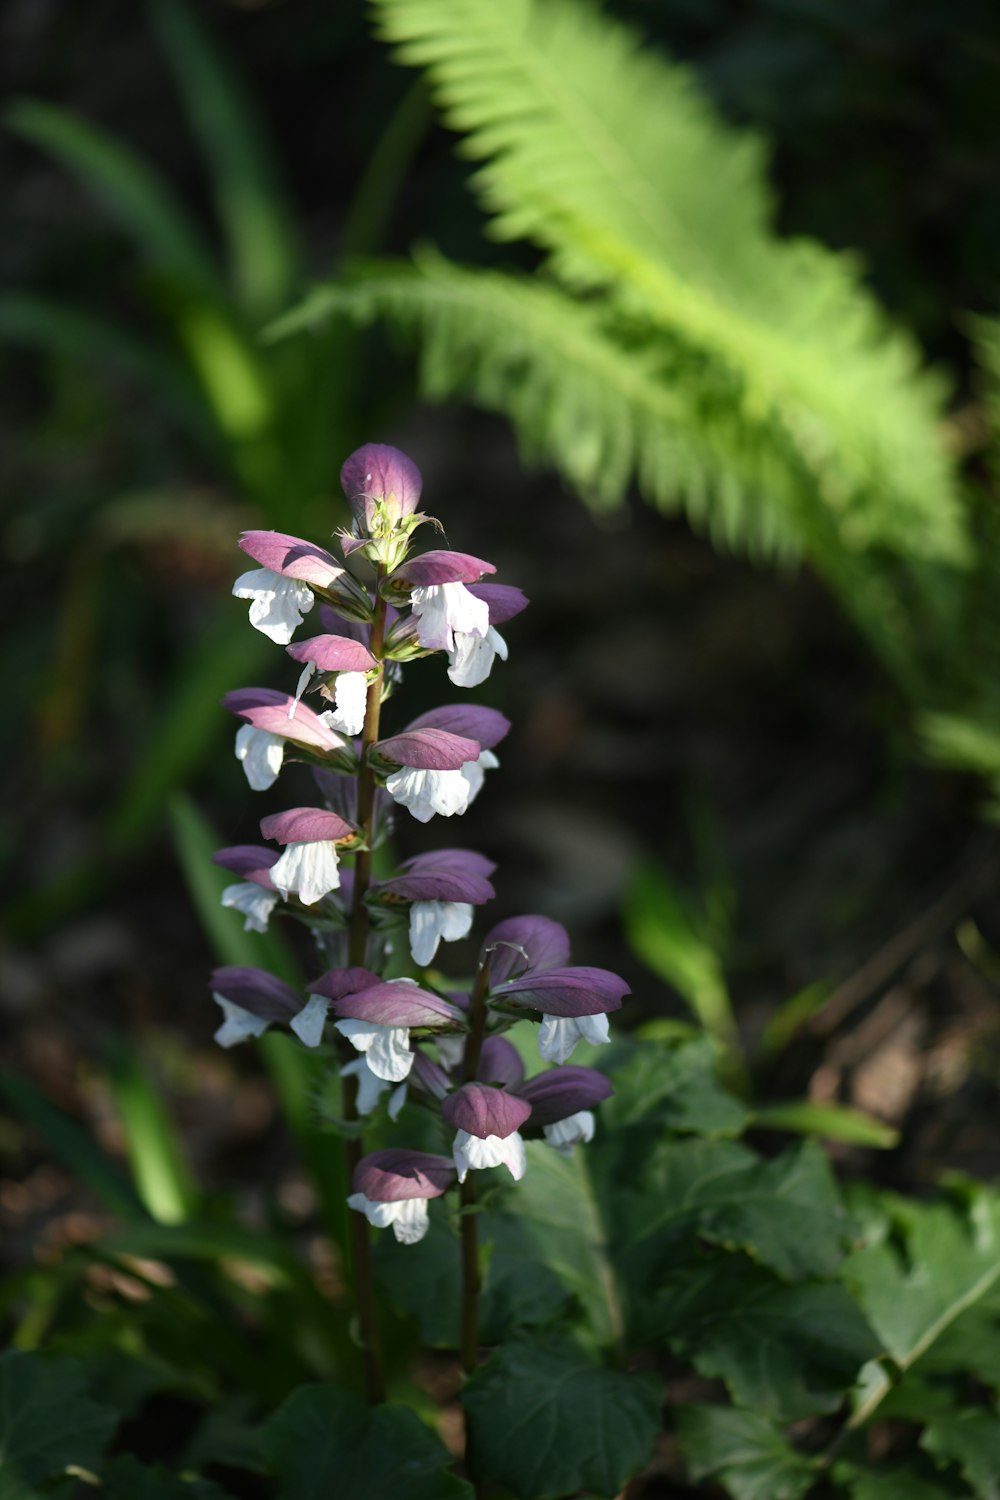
(971, 1440)
(128, 1479)
(787, 1351)
(923, 1267)
(671, 1085)
(519, 1291)
(895, 1482)
(744, 1451)
(559, 1215)
(785, 1213)
(325, 1441)
(544, 1421)
(47, 1421)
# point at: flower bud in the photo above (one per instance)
(380, 482)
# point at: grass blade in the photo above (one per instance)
(830, 1122)
(161, 1174)
(262, 250)
(71, 1144)
(134, 193)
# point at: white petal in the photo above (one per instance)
(471, 660)
(253, 901)
(396, 1101)
(558, 1035)
(304, 678)
(308, 1024)
(278, 603)
(475, 772)
(412, 1221)
(351, 698)
(443, 608)
(261, 754)
(379, 1214)
(474, 1152)
(450, 1051)
(370, 1086)
(574, 1130)
(424, 793)
(307, 870)
(387, 1047)
(430, 921)
(237, 1023)
(408, 1218)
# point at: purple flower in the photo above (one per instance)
(527, 959)
(251, 1001)
(255, 896)
(331, 986)
(561, 1092)
(503, 600)
(500, 1063)
(562, 1101)
(271, 719)
(443, 875)
(434, 569)
(283, 589)
(522, 945)
(487, 1121)
(487, 726)
(351, 661)
(308, 867)
(442, 887)
(394, 1187)
(378, 1021)
(379, 477)
(431, 776)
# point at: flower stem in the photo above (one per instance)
(467, 1190)
(361, 1259)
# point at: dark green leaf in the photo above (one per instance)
(544, 1421)
(785, 1213)
(46, 1422)
(127, 1479)
(326, 1442)
(922, 1268)
(970, 1439)
(895, 1482)
(787, 1351)
(671, 1084)
(519, 1291)
(744, 1451)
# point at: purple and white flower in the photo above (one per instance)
(487, 1121)
(443, 887)
(378, 1021)
(429, 778)
(527, 968)
(351, 661)
(251, 1001)
(562, 1102)
(395, 1186)
(308, 868)
(255, 896)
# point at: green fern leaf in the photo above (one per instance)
(580, 394)
(607, 158)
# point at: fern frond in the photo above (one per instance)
(606, 157)
(603, 409)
